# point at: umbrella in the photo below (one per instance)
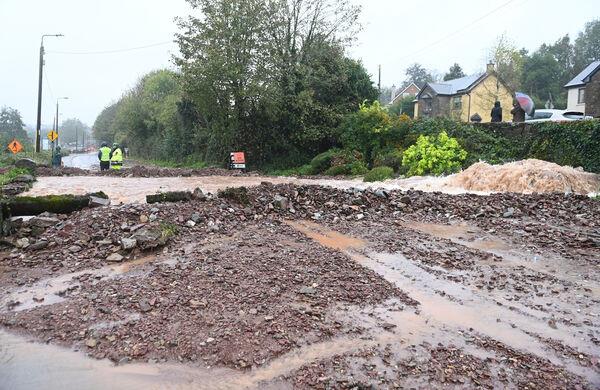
(525, 102)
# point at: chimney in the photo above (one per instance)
(490, 67)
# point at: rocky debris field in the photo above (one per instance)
(137, 171)
(313, 287)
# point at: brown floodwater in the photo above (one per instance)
(449, 307)
(135, 189)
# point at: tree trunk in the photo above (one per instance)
(173, 196)
(58, 204)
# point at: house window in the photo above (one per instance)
(456, 103)
(581, 96)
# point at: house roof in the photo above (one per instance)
(398, 94)
(582, 77)
(452, 87)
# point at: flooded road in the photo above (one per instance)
(83, 161)
(135, 189)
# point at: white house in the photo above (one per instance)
(576, 88)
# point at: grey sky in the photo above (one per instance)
(396, 33)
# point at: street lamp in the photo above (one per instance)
(56, 126)
(39, 108)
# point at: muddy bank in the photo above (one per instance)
(314, 287)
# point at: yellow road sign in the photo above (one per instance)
(15, 146)
(52, 135)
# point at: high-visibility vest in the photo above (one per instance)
(117, 156)
(105, 156)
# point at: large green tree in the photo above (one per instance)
(455, 72)
(417, 74)
(103, 129)
(270, 77)
(12, 126)
(587, 46)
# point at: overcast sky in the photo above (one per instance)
(396, 33)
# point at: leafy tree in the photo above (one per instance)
(103, 129)
(541, 76)
(587, 46)
(11, 124)
(417, 74)
(509, 61)
(270, 77)
(72, 130)
(455, 72)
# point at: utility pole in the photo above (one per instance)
(379, 82)
(39, 107)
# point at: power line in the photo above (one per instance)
(463, 28)
(111, 51)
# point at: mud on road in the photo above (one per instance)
(288, 286)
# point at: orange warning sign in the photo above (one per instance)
(237, 160)
(15, 146)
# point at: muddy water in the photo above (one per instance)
(526, 256)
(134, 190)
(449, 305)
(51, 291)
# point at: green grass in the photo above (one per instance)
(11, 173)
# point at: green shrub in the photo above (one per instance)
(379, 174)
(321, 162)
(358, 168)
(337, 170)
(355, 168)
(435, 155)
(304, 170)
(392, 159)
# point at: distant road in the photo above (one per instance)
(83, 161)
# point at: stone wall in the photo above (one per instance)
(592, 96)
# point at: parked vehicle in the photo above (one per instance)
(544, 115)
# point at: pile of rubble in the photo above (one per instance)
(224, 280)
(138, 171)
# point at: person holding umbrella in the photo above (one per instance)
(522, 105)
(518, 114)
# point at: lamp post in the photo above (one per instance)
(39, 107)
(56, 126)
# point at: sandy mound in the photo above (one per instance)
(526, 176)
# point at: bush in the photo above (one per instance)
(434, 155)
(355, 168)
(392, 159)
(304, 170)
(321, 162)
(379, 174)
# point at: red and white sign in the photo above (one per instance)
(237, 160)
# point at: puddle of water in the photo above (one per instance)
(473, 237)
(461, 307)
(49, 291)
(25, 365)
(328, 238)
